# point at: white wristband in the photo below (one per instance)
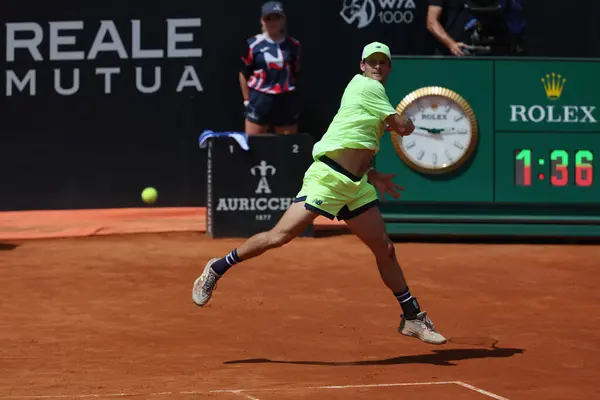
(246, 102)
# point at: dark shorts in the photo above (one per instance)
(273, 109)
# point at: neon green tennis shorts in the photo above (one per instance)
(332, 191)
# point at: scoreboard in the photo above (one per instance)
(559, 170)
(502, 146)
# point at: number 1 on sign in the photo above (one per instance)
(231, 149)
(523, 167)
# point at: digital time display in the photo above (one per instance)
(557, 168)
(558, 164)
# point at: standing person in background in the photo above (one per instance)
(446, 20)
(271, 63)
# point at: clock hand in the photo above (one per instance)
(435, 131)
(426, 135)
(425, 129)
(444, 131)
(430, 130)
(420, 134)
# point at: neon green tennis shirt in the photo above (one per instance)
(360, 120)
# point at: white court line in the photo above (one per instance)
(374, 385)
(244, 393)
(238, 391)
(478, 390)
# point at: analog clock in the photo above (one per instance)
(445, 134)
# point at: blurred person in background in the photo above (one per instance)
(446, 20)
(271, 63)
(516, 25)
(476, 27)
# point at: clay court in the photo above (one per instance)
(110, 316)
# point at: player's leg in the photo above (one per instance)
(365, 221)
(293, 222)
(374, 236)
(312, 199)
(309, 203)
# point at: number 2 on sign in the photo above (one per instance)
(295, 148)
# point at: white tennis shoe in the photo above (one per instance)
(205, 284)
(422, 328)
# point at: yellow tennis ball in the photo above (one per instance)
(149, 195)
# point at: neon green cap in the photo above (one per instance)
(376, 47)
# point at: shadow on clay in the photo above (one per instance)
(436, 357)
(7, 246)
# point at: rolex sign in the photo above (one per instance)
(547, 96)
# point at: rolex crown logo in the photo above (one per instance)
(553, 85)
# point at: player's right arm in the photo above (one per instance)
(400, 124)
(376, 101)
(434, 12)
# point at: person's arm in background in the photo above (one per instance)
(244, 87)
(298, 60)
(434, 12)
(245, 72)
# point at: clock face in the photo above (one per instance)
(445, 133)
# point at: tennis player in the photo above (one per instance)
(341, 183)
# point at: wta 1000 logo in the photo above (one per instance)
(58, 43)
(364, 12)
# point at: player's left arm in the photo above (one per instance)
(384, 183)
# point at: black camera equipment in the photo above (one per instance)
(489, 28)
